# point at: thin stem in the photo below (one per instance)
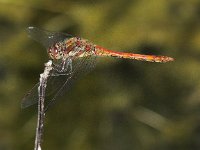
(41, 113)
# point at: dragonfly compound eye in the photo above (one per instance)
(55, 52)
(50, 53)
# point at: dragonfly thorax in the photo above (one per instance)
(78, 47)
(73, 47)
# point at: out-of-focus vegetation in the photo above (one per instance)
(121, 104)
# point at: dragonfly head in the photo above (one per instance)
(56, 51)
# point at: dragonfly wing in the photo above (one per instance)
(81, 66)
(59, 84)
(53, 85)
(46, 38)
(31, 97)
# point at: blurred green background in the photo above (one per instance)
(121, 104)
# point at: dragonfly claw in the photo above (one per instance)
(65, 67)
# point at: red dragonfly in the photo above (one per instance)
(73, 56)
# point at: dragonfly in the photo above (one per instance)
(72, 57)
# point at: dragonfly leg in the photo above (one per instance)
(55, 74)
(65, 68)
(67, 65)
(56, 67)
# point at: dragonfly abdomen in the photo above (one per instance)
(100, 51)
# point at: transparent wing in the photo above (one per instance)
(82, 66)
(59, 84)
(54, 82)
(46, 38)
(31, 97)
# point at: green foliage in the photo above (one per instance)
(121, 104)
